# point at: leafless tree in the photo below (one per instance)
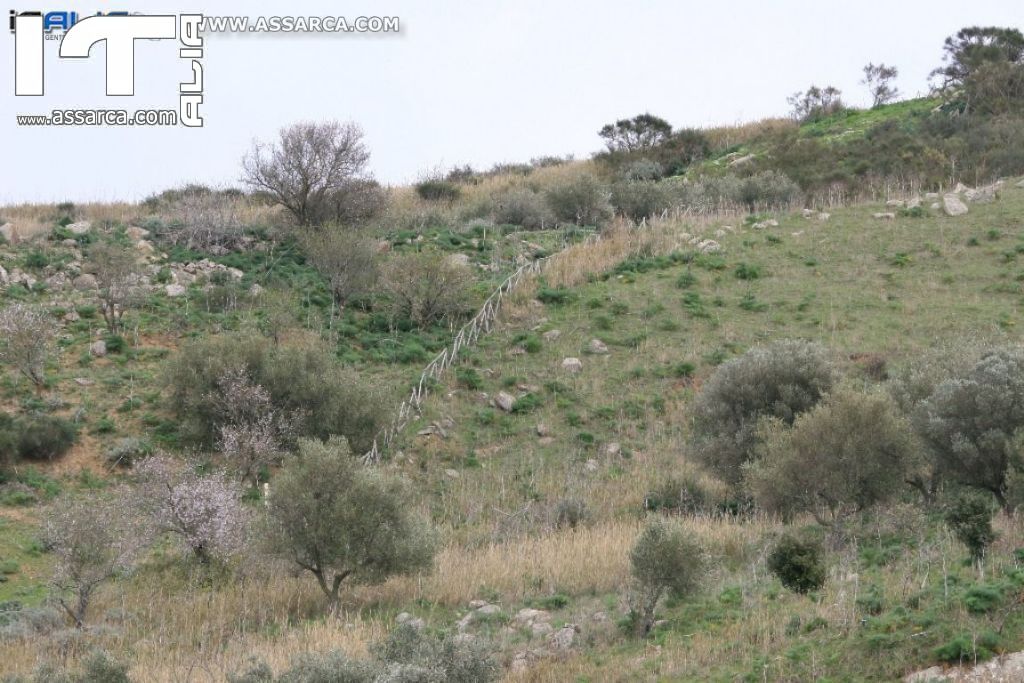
(878, 78)
(347, 259)
(28, 334)
(92, 540)
(308, 164)
(815, 103)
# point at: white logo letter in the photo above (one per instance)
(120, 32)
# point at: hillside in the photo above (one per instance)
(538, 503)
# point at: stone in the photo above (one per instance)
(79, 228)
(488, 610)
(57, 281)
(884, 215)
(145, 247)
(136, 233)
(822, 217)
(720, 233)
(505, 401)
(896, 203)
(528, 615)
(98, 348)
(563, 638)
(931, 195)
(9, 233)
(761, 225)
(960, 187)
(983, 195)
(953, 206)
(84, 282)
(591, 465)
(174, 291)
(452, 474)
(709, 247)
(458, 259)
(611, 449)
(255, 290)
(1020, 183)
(72, 317)
(552, 335)
(543, 429)
(5, 279)
(935, 206)
(541, 628)
(914, 202)
(410, 620)
(597, 346)
(477, 604)
(572, 365)
(809, 212)
(741, 161)
(84, 382)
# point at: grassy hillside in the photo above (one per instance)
(538, 507)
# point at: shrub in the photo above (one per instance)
(28, 335)
(127, 451)
(798, 563)
(842, 456)
(969, 516)
(340, 521)
(582, 200)
(664, 559)
(523, 207)
(426, 289)
(43, 437)
(685, 494)
(779, 381)
(303, 381)
(570, 513)
(438, 190)
(638, 199)
(348, 259)
(768, 190)
(641, 170)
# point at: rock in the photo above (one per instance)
(528, 615)
(896, 203)
(488, 610)
(960, 187)
(741, 161)
(19, 277)
(174, 291)
(410, 620)
(931, 195)
(522, 661)
(935, 206)
(5, 279)
(452, 474)
(611, 449)
(505, 401)
(914, 202)
(596, 346)
(79, 228)
(563, 638)
(84, 282)
(885, 215)
(952, 205)
(83, 382)
(98, 348)
(136, 233)
(591, 465)
(72, 317)
(543, 429)
(255, 290)
(822, 217)
(572, 365)
(144, 247)
(552, 335)
(720, 233)
(983, 195)
(809, 212)
(761, 225)
(1020, 183)
(709, 247)
(458, 259)
(235, 273)
(9, 233)
(477, 604)
(69, 243)
(541, 628)
(57, 281)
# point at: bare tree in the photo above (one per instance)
(116, 269)
(347, 259)
(92, 540)
(815, 103)
(28, 335)
(253, 433)
(307, 165)
(878, 78)
(426, 289)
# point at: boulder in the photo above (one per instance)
(505, 401)
(895, 203)
(572, 365)
(914, 202)
(563, 638)
(741, 161)
(552, 335)
(5, 279)
(761, 225)
(982, 195)
(596, 346)
(84, 282)
(79, 228)
(136, 233)
(145, 247)
(884, 215)
(410, 620)
(809, 212)
(543, 429)
(458, 259)
(709, 247)
(953, 206)
(174, 291)
(611, 449)
(1020, 183)
(57, 281)
(9, 233)
(935, 206)
(98, 348)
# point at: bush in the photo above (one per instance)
(438, 190)
(798, 563)
(664, 559)
(685, 494)
(302, 380)
(426, 289)
(41, 437)
(127, 451)
(523, 207)
(969, 516)
(844, 455)
(641, 170)
(341, 521)
(778, 381)
(582, 201)
(347, 258)
(639, 199)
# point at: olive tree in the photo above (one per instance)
(777, 381)
(971, 421)
(116, 269)
(341, 521)
(306, 166)
(92, 541)
(28, 335)
(878, 78)
(638, 133)
(664, 560)
(847, 453)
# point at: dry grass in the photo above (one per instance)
(723, 137)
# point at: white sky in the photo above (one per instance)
(466, 81)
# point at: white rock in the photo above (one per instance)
(174, 291)
(914, 202)
(952, 205)
(709, 247)
(527, 615)
(98, 348)
(136, 233)
(505, 401)
(824, 216)
(1020, 183)
(741, 161)
(809, 212)
(885, 215)
(720, 233)
(552, 335)
(935, 206)
(84, 282)
(541, 628)
(477, 604)
(543, 429)
(145, 247)
(255, 290)
(612, 449)
(488, 610)
(79, 228)
(596, 346)
(563, 638)
(931, 195)
(591, 465)
(9, 233)
(458, 259)
(5, 279)
(572, 365)
(897, 203)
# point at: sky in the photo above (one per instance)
(464, 82)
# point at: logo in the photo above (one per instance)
(119, 30)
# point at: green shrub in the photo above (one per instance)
(469, 378)
(556, 295)
(685, 494)
(127, 451)
(798, 563)
(968, 647)
(969, 516)
(438, 190)
(582, 201)
(747, 271)
(523, 207)
(527, 403)
(639, 199)
(38, 437)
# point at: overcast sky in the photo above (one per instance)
(473, 81)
